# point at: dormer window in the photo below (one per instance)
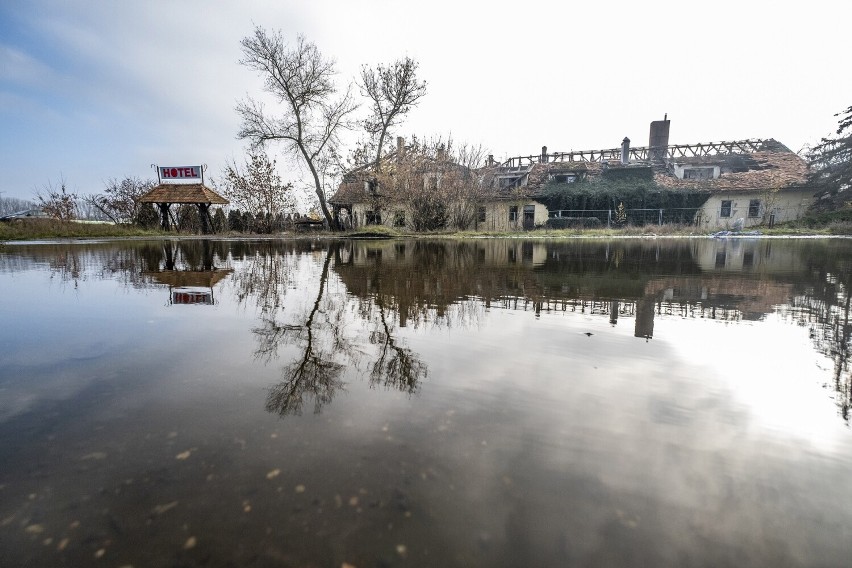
(509, 181)
(370, 186)
(698, 173)
(563, 178)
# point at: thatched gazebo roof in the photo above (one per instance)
(183, 193)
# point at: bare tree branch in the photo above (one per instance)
(302, 81)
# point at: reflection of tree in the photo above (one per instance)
(316, 373)
(397, 367)
(824, 306)
(264, 276)
(825, 309)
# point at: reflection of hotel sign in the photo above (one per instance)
(180, 172)
(192, 296)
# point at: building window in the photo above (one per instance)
(507, 182)
(513, 213)
(480, 217)
(373, 218)
(726, 209)
(698, 173)
(370, 186)
(754, 208)
(563, 178)
(399, 219)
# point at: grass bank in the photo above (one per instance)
(829, 224)
(39, 229)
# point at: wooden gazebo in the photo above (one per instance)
(165, 194)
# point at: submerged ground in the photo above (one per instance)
(669, 402)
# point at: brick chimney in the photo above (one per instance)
(400, 146)
(625, 151)
(543, 154)
(658, 140)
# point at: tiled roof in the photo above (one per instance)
(183, 193)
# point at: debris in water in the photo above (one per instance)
(62, 544)
(190, 543)
(160, 509)
(402, 550)
(94, 456)
(273, 474)
(100, 552)
(35, 529)
(184, 455)
(300, 488)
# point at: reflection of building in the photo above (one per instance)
(190, 286)
(615, 279)
(746, 255)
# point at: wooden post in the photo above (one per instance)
(204, 217)
(164, 216)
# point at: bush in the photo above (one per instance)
(573, 223)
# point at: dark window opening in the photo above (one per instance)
(698, 173)
(527, 251)
(373, 218)
(564, 178)
(481, 215)
(529, 216)
(748, 259)
(754, 208)
(726, 209)
(399, 219)
(370, 186)
(720, 259)
(508, 182)
(513, 213)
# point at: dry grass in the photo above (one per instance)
(35, 229)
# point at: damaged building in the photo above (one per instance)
(742, 183)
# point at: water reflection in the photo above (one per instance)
(392, 285)
(481, 403)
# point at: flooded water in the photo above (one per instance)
(426, 403)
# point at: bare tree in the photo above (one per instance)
(119, 202)
(14, 205)
(258, 189)
(438, 184)
(302, 80)
(58, 203)
(393, 91)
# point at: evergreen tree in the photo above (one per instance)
(831, 160)
(220, 224)
(235, 221)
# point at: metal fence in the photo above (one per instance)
(609, 217)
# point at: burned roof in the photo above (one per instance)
(183, 193)
(743, 165)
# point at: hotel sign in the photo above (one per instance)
(180, 172)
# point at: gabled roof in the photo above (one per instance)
(183, 193)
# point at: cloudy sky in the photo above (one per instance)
(93, 90)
